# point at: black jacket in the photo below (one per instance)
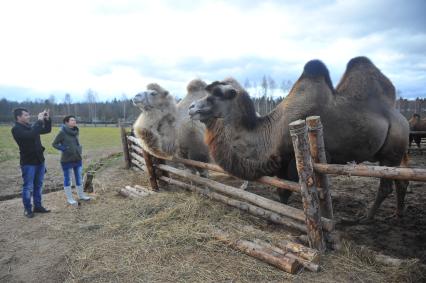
(67, 142)
(28, 139)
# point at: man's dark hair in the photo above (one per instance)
(67, 118)
(18, 112)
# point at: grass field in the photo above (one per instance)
(91, 139)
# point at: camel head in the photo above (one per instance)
(216, 104)
(155, 97)
(415, 119)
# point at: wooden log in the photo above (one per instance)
(135, 141)
(151, 171)
(144, 189)
(138, 192)
(260, 201)
(279, 183)
(300, 250)
(298, 132)
(252, 209)
(138, 157)
(124, 144)
(282, 262)
(412, 174)
(316, 143)
(138, 165)
(137, 149)
(88, 181)
(314, 267)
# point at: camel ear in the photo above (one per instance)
(230, 93)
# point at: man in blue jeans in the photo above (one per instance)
(27, 137)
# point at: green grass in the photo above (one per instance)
(92, 139)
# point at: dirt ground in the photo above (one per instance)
(166, 237)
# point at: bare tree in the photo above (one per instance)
(124, 100)
(91, 102)
(286, 86)
(67, 101)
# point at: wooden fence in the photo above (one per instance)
(316, 218)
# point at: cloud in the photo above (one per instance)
(117, 47)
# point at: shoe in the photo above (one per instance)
(41, 209)
(28, 213)
(81, 194)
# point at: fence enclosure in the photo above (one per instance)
(316, 219)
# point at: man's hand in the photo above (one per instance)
(46, 114)
(40, 116)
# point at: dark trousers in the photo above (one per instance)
(33, 176)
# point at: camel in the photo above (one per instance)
(416, 124)
(358, 117)
(164, 127)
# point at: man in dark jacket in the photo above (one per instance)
(27, 137)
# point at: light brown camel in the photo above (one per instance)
(164, 127)
(417, 124)
(359, 119)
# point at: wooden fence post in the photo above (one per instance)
(125, 145)
(308, 190)
(151, 170)
(316, 142)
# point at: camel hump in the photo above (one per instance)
(156, 87)
(363, 81)
(356, 61)
(196, 85)
(316, 68)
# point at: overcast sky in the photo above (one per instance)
(117, 47)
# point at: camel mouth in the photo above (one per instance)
(198, 114)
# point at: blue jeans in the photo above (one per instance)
(68, 168)
(33, 176)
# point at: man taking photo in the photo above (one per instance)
(27, 137)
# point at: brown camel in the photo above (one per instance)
(359, 119)
(417, 124)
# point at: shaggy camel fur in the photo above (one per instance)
(359, 120)
(417, 124)
(165, 128)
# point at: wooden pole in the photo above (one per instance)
(260, 201)
(312, 266)
(316, 143)
(412, 174)
(125, 145)
(282, 184)
(308, 190)
(88, 182)
(151, 170)
(285, 263)
(252, 209)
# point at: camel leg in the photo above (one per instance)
(401, 190)
(385, 189)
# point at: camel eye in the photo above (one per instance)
(153, 93)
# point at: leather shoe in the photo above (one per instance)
(28, 213)
(41, 209)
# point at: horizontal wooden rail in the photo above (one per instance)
(260, 201)
(250, 208)
(399, 173)
(417, 132)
